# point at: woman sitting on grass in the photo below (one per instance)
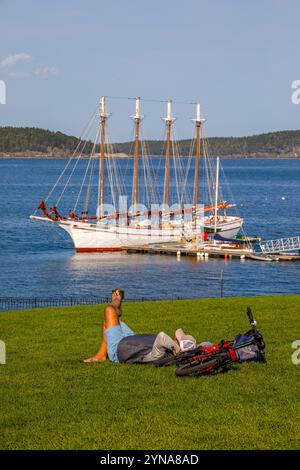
(120, 344)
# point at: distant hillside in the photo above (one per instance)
(30, 141)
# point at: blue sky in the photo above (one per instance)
(237, 57)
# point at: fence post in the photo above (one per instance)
(222, 283)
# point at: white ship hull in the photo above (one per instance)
(92, 237)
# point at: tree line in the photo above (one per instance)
(31, 139)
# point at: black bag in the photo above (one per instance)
(133, 348)
(250, 347)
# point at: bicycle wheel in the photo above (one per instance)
(170, 358)
(164, 361)
(201, 368)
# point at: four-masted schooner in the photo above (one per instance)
(119, 229)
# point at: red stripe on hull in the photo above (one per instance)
(99, 250)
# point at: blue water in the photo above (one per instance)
(37, 260)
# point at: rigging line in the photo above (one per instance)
(175, 165)
(110, 155)
(151, 100)
(211, 179)
(205, 188)
(109, 179)
(208, 182)
(178, 169)
(143, 193)
(120, 184)
(110, 176)
(154, 165)
(71, 174)
(147, 159)
(127, 176)
(144, 199)
(161, 158)
(117, 173)
(147, 176)
(152, 162)
(188, 164)
(127, 170)
(212, 169)
(72, 157)
(148, 172)
(82, 184)
(231, 195)
(185, 191)
(191, 154)
(87, 168)
(180, 173)
(153, 198)
(209, 170)
(90, 183)
(131, 157)
(212, 176)
(110, 165)
(232, 198)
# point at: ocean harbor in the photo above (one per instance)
(51, 268)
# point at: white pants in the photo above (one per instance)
(161, 344)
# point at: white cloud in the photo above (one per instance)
(12, 59)
(19, 74)
(40, 72)
(45, 72)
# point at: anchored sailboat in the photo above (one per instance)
(117, 228)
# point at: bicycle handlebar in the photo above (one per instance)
(250, 316)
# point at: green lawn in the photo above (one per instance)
(51, 400)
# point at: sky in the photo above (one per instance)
(238, 58)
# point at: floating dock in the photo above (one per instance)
(226, 251)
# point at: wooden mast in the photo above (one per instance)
(137, 120)
(198, 123)
(103, 117)
(196, 182)
(169, 121)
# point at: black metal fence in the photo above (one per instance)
(16, 303)
(22, 303)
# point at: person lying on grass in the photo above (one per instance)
(120, 344)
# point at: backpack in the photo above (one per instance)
(133, 348)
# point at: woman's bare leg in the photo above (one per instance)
(111, 318)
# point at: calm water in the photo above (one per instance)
(37, 260)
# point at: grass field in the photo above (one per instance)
(51, 400)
